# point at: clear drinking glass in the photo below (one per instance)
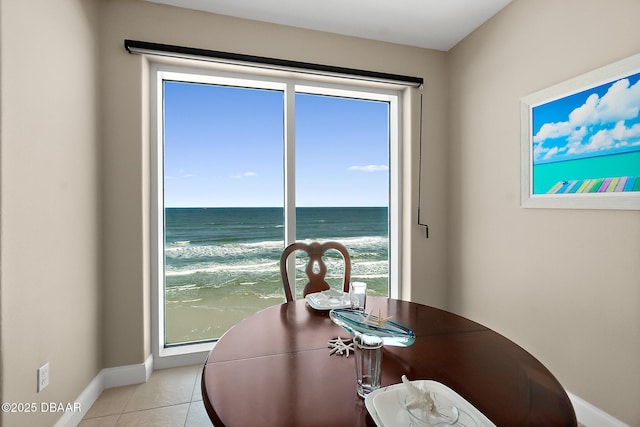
(368, 355)
(358, 295)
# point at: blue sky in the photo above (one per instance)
(224, 147)
(598, 121)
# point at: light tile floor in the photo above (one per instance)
(171, 397)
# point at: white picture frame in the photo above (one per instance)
(580, 141)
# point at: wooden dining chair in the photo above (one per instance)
(316, 269)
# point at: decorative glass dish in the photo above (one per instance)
(359, 322)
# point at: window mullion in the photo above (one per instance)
(289, 164)
(290, 175)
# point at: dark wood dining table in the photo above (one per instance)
(274, 369)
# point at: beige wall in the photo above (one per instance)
(49, 204)
(564, 284)
(126, 145)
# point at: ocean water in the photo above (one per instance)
(222, 264)
(547, 175)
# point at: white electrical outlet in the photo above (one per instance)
(43, 376)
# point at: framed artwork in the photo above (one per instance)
(580, 141)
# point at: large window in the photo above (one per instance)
(245, 166)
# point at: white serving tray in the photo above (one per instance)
(384, 405)
(328, 300)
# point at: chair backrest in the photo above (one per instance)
(316, 251)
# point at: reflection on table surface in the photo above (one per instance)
(274, 368)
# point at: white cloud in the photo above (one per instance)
(550, 153)
(369, 168)
(618, 137)
(182, 174)
(632, 132)
(553, 130)
(586, 114)
(600, 141)
(244, 175)
(619, 103)
(539, 151)
(590, 127)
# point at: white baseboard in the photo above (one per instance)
(591, 416)
(106, 378)
(87, 398)
(174, 361)
(127, 375)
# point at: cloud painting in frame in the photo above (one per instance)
(583, 147)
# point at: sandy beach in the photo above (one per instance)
(209, 317)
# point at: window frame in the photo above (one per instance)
(290, 83)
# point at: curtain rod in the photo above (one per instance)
(140, 47)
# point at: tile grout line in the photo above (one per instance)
(189, 401)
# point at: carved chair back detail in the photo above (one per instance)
(316, 269)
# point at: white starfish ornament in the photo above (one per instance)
(379, 321)
(340, 346)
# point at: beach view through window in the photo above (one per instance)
(223, 196)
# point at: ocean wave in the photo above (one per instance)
(194, 269)
(211, 268)
(222, 250)
(184, 250)
(352, 242)
(368, 276)
(356, 241)
(256, 265)
(188, 287)
(183, 301)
